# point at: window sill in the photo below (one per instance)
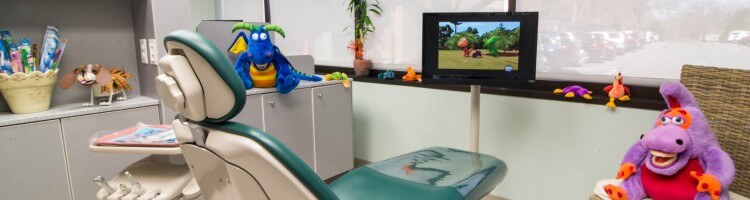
(642, 97)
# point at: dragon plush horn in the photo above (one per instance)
(275, 28)
(244, 25)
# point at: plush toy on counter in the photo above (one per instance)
(680, 158)
(339, 76)
(388, 75)
(618, 91)
(411, 75)
(261, 64)
(103, 82)
(573, 91)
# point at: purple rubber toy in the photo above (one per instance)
(574, 90)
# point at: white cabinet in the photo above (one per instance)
(252, 113)
(289, 119)
(332, 110)
(32, 162)
(314, 121)
(83, 164)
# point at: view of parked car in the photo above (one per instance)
(569, 48)
(745, 40)
(556, 50)
(596, 46)
(737, 36)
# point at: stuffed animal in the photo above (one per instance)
(411, 75)
(261, 64)
(679, 158)
(617, 91)
(339, 76)
(573, 91)
(388, 74)
(102, 82)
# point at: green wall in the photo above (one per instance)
(553, 149)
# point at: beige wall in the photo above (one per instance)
(553, 149)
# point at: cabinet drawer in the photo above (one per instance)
(332, 107)
(33, 162)
(84, 164)
(288, 117)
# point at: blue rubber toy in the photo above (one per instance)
(388, 74)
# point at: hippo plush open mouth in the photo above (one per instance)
(663, 159)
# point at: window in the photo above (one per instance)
(645, 39)
(397, 40)
(314, 28)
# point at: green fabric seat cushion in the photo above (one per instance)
(431, 173)
(366, 183)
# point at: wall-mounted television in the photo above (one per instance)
(482, 48)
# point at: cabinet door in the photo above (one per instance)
(332, 107)
(252, 113)
(83, 164)
(32, 162)
(288, 117)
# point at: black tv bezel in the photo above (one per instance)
(527, 49)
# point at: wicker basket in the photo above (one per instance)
(724, 96)
(28, 93)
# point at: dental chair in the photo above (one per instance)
(234, 161)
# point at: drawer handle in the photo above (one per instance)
(271, 102)
(320, 95)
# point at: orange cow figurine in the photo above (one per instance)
(411, 75)
(617, 91)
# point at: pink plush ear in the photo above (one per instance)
(677, 96)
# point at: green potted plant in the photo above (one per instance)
(361, 10)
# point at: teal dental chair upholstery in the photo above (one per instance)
(234, 161)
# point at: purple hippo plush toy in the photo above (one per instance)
(679, 158)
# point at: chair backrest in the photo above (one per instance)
(723, 94)
(229, 160)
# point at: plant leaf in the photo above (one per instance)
(375, 11)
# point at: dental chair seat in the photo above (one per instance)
(231, 160)
(433, 173)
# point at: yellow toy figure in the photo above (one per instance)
(617, 91)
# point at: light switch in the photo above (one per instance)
(144, 51)
(152, 50)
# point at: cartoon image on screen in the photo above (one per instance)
(479, 45)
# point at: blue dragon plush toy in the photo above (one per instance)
(261, 63)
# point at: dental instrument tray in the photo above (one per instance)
(140, 135)
(141, 139)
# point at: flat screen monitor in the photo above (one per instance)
(479, 48)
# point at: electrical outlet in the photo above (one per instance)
(144, 51)
(152, 50)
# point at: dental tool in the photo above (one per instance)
(99, 180)
(136, 186)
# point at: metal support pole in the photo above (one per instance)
(474, 125)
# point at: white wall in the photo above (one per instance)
(201, 10)
(246, 10)
(553, 149)
(314, 28)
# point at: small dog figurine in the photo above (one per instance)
(103, 82)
